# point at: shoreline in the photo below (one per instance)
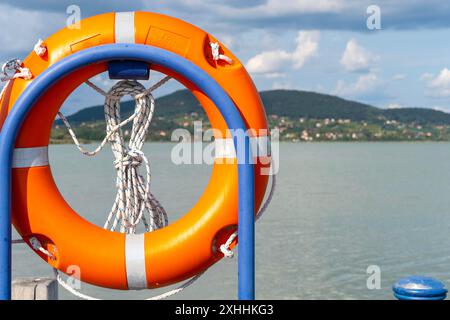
(283, 141)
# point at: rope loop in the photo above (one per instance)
(40, 48)
(226, 251)
(215, 51)
(14, 69)
(133, 196)
(36, 245)
(11, 65)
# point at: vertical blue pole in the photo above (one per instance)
(246, 220)
(5, 225)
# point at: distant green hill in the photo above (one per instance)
(293, 103)
(298, 116)
(418, 115)
(286, 103)
(176, 104)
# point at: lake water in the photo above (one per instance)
(338, 208)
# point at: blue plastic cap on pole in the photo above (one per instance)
(11, 127)
(419, 288)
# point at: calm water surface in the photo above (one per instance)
(338, 208)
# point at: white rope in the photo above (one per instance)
(215, 50)
(144, 92)
(162, 296)
(14, 69)
(40, 48)
(133, 196)
(70, 288)
(225, 248)
(36, 244)
(4, 89)
(178, 289)
(157, 85)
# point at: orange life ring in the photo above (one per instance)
(174, 253)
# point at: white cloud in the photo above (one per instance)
(298, 14)
(268, 62)
(275, 75)
(258, 10)
(399, 76)
(227, 39)
(364, 84)
(356, 58)
(307, 45)
(439, 85)
(282, 85)
(426, 76)
(276, 7)
(442, 109)
(22, 28)
(394, 106)
(274, 61)
(443, 79)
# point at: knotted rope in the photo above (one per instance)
(215, 51)
(133, 192)
(133, 196)
(40, 48)
(14, 69)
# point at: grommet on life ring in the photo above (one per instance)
(111, 259)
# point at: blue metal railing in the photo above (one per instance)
(25, 103)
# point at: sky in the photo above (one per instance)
(326, 46)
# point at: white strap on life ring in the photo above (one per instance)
(124, 27)
(135, 261)
(260, 146)
(30, 157)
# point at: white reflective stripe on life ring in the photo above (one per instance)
(124, 27)
(30, 157)
(135, 261)
(224, 148)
